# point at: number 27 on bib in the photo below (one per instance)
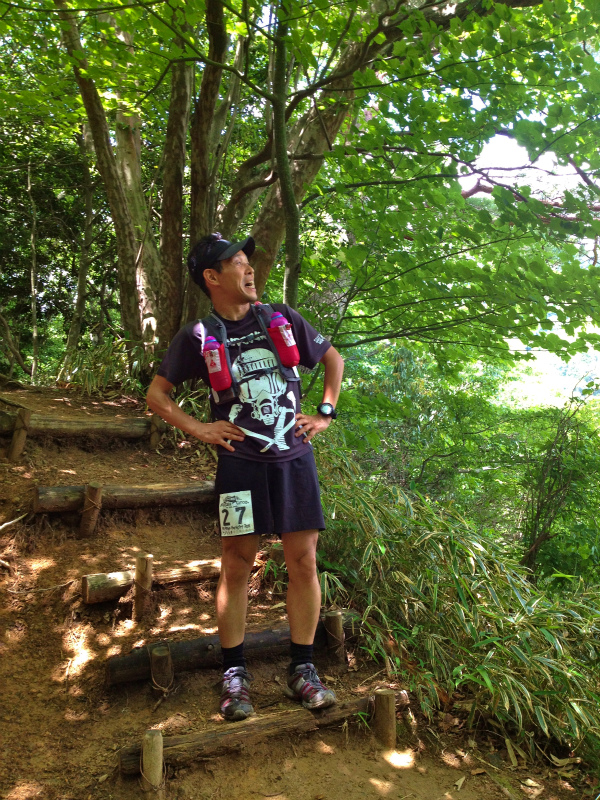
(235, 513)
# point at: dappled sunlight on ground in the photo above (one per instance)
(191, 627)
(451, 759)
(39, 564)
(384, 788)
(75, 643)
(404, 759)
(126, 626)
(325, 749)
(26, 790)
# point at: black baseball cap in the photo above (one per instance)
(212, 249)
(221, 249)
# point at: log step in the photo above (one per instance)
(182, 750)
(70, 498)
(205, 651)
(41, 425)
(104, 586)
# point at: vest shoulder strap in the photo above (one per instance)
(213, 326)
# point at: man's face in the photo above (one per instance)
(236, 279)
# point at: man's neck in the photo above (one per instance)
(231, 311)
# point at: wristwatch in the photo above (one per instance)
(327, 410)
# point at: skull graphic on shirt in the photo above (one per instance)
(261, 391)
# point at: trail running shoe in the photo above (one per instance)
(235, 695)
(304, 685)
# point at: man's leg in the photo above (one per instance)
(304, 591)
(303, 607)
(237, 558)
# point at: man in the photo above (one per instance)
(266, 477)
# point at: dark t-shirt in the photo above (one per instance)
(267, 406)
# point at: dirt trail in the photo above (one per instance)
(60, 728)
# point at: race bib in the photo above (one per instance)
(235, 513)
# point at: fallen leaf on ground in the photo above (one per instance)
(562, 762)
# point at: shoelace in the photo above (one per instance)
(312, 685)
(235, 688)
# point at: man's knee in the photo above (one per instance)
(301, 557)
(237, 560)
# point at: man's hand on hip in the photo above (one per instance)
(308, 425)
(219, 432)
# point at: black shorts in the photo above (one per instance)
(268, 497)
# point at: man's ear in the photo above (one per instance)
(211, 277)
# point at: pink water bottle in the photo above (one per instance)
(216, 363)
(282, 335)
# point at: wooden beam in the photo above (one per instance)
(157, 427)
(142, 586)
(162, 669)
(104, 586)
(70, 498)
(152, 779)
(205, 651)
(334, 625)
(22, 428)
(91, 508)
(384, 719)
(40, 425)
(182, 750)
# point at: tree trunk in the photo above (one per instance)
(33, 276)
(131, 301)
(129, 158)
(171, 250)
(147, 262)
(12, 345)
(286, 187)
(319, 129)
(201, 214)
(84, 256)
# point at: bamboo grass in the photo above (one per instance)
(464, 617)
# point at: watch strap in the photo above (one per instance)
(331, 413)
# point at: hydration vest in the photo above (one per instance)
(213, 326)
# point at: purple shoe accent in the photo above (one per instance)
(235, 694)
(304, 685)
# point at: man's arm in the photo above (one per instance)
(308, 425)
(159, 400)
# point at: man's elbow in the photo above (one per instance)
(332, 356)
(157, 397)
(153, 401)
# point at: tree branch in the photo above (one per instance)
(12, 346)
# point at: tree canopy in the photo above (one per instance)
(341, 132)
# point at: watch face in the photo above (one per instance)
(326, 408)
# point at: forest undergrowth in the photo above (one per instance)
(462, 616)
